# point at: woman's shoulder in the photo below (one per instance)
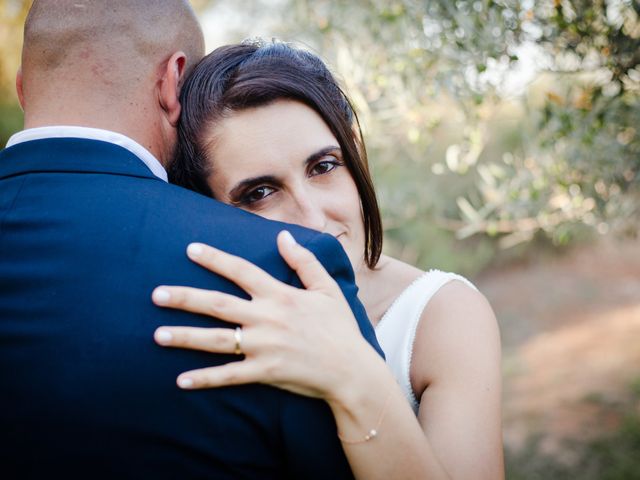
(456, 297)
(433, 296)
(406, 283)
(431, 325)
(456, 328)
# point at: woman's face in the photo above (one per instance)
(282, 162)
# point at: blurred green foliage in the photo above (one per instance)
(12, 15)
(407, 67)
(583, 167)
(453, 148)
(488, 123)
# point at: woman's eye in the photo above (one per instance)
(257, 194)
(324, 166)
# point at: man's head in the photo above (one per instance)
(114, 64)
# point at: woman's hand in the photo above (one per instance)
(305, 341)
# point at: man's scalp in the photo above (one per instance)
(131, 34)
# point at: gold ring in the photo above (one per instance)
(237, 335)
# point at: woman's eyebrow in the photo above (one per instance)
(321, 153)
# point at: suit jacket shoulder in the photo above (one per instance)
(86, 233)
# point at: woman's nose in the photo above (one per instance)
(312, 214)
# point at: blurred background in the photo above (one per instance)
(504, 141)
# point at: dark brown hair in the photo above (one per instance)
(247, 75)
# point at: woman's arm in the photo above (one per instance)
(373, 401)
(305, 341)
(457, 356)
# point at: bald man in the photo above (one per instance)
(88, 227)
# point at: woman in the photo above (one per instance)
(267, 128)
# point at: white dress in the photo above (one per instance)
(396, 330)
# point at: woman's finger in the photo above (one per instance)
(243, 273)
(213, 340)
(311, 272)
(234, 373)
(206, 302)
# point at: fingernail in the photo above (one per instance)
(288, 238)
(194, 250)
(163, 337)
(161, 296)
(185, 382)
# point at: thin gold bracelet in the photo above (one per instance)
(373, 433)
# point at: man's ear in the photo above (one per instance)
(170, 82)
(19, 88)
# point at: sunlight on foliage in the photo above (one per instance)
(489, 123)
(491, 119)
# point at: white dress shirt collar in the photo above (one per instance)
(92, 134)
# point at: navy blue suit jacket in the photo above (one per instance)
(86, 233)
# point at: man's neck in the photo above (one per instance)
(133, 129)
